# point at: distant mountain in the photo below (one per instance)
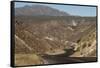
(37, 10)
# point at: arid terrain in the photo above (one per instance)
(50, 39)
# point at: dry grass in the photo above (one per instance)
(27, 59)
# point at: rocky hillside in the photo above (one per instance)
(86, 45)
(37, 37)
(44, 36)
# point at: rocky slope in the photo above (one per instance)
(44, 36)
(40, 36)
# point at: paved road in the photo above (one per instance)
(64, 59)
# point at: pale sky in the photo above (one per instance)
(71, 9)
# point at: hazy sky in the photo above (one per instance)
(71, 9)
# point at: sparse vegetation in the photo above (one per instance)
(27, 59)
(40, 35)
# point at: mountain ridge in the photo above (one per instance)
(39, 10)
